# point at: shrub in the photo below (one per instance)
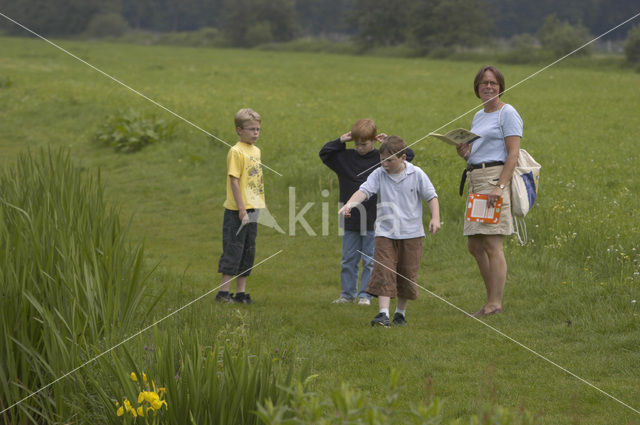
(107, 25)
(632, 46)
(523, 41)
(130, 131)
(260, 33)
(560, 37)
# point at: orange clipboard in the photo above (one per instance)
(478, 209)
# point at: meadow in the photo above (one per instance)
(571, 291)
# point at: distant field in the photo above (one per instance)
(570, 293)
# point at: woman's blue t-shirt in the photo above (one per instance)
(490, 146)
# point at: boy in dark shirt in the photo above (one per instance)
(353, 166)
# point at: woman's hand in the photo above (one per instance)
(495, 196)
(463, 150)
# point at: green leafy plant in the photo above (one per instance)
(345, 405)
(130, 131)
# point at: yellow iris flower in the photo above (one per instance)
(152, 398)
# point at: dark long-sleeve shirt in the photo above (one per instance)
(352, 170)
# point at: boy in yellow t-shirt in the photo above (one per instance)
(245, 195)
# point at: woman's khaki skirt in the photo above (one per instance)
(484, 180)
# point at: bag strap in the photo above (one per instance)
(519, 224)
(500, 121)
(520, 229)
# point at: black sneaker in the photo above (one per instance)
(243, 299)
(224, 298)
(381, 319)
(399, 320)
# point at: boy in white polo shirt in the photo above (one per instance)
(401, 187)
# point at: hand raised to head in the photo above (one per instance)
(380, 137)
(346, 137)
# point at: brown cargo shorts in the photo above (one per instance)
(396, 268)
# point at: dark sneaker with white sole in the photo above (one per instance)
(243, 299)
(399, 320)
(224, 298)
(381, 319)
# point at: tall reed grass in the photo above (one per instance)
(69, 281)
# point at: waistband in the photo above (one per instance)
(249, 210)
(471, 167)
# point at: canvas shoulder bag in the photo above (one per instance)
(524, 187)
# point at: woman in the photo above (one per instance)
(491, 160)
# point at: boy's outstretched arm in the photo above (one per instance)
(357, 198)
(434, 224)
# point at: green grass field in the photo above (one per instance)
(570, 293)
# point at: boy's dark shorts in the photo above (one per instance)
(238, 248)
(395, 268)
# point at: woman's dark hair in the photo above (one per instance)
(480, 74)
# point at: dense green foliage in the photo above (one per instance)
(425, 24)
(521, 16)
(107, 25)
(284, 19)
(130, 131)
(561, 38)
(252, 22)
(570, 292)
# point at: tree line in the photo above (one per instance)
(426, 23)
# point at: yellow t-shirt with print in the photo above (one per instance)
(243, 162)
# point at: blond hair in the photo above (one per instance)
(246, 114)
